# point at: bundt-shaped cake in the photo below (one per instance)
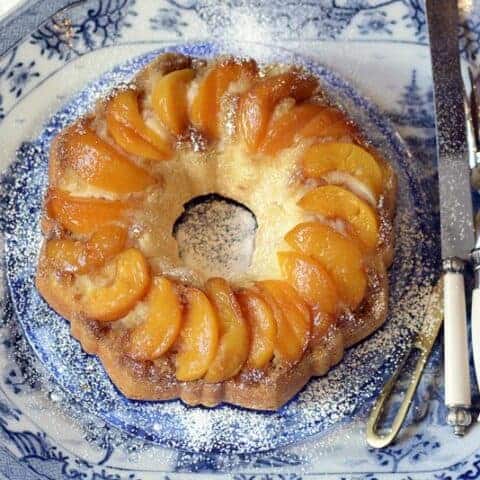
(165, 326)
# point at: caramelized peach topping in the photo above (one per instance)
(263, 329)
(105, 243)
(99, 164)
(234, 336)
(310, 280)
(66, 255)
(281, 133)
(160, 330)
(292, 317)
(82, 215)
(198, 340)
(339, 255)
(333, 201)
(329, 123)
(257, 105)
(212, 87)
(169, 99)
(131, 142)
(124, 108)
(324, 158)
(69, 255)
(128, 276)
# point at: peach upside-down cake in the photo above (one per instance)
(267, 137)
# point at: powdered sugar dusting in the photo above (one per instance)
(323, 404)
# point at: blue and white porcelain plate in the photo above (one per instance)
(60, 417)
(324, 403)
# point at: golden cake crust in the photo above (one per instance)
(265, 389)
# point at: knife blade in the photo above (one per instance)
(456, 212)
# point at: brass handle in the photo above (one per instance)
(378, 440)
(423, 344)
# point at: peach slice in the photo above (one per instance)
(157, 334)
(292, 316)
(310, 280)
(124, 108)
(345, 157)
(169, 99)
(130, 283)
(341, 257)
(257, 105)
(263, 329)
(329, 123)
(66, 255)
(131, 142)
(281, 133)
(333, 201)
(100, 165)
(82, 215)
(105, 243)
(234, 341)
(206, 103)
(198, 339)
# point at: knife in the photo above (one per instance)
(473, 130)
(456, 213)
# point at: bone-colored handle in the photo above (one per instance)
(457, 378)
(476, 332)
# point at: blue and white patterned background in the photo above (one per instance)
(44, 437)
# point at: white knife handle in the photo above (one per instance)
(457, 377)
(476, 331)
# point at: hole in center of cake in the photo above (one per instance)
(216, 236)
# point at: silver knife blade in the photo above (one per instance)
(456, 213)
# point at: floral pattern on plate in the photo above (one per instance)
(44, 434)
